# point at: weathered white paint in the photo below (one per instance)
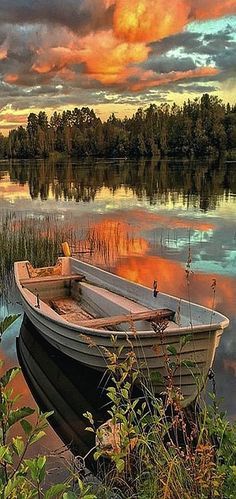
(107, 295)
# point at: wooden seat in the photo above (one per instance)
(149, 315)
(51, 278)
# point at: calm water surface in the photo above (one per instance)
(150, 215)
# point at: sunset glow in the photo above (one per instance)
(147, 21)
(113, 55)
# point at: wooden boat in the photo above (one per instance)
(80, 308)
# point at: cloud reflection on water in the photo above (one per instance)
(145, 216)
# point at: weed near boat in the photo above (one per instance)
(156, 450)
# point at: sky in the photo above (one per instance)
(113, 55)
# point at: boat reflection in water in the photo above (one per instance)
(64, 386)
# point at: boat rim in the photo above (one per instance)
(102, 332)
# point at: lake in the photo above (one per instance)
(150, 218)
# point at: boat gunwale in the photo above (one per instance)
(57, 319)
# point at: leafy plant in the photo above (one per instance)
(6, 323)
(149, 448)
(20, 476)
(157, 449)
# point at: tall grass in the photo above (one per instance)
(39, 239)
(36, 240)
(157, 449)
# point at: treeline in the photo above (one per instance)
(202, 127)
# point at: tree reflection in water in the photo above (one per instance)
(195, 183)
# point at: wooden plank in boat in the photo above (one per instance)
(70, 309)
(51, 278)
(163, 313)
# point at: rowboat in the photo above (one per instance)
(87, 312)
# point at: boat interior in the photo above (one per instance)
(80, 301)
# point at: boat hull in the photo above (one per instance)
(150, 354)
(64, 387)
(155, 352)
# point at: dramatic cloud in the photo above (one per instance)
(148, 20)
(164, 64)
(149, 78)
(79, 15)
(133, 20)
(104, 51)
(210, 9)
(107, 66)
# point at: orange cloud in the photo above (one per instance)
(106, 58)
(11, 78)
(55, 58)
(3, 53)
(105, 65)
(149, 20)
(148, 79)
(212, 8)
(112, 56)
(109, 66)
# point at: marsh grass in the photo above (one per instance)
(39, 238)
(153, 447)
(36, 239)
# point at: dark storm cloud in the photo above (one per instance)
(79, 15)
(193, 42)
(50, 97)
(218, 50)
(227, 61)
(164, 64)
(193, 88)
(188, 40)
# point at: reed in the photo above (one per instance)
(27, 239)
(158, 450)
(39, 239)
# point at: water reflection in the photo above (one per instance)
(145, 216)
(194, 183)
(64, 386)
